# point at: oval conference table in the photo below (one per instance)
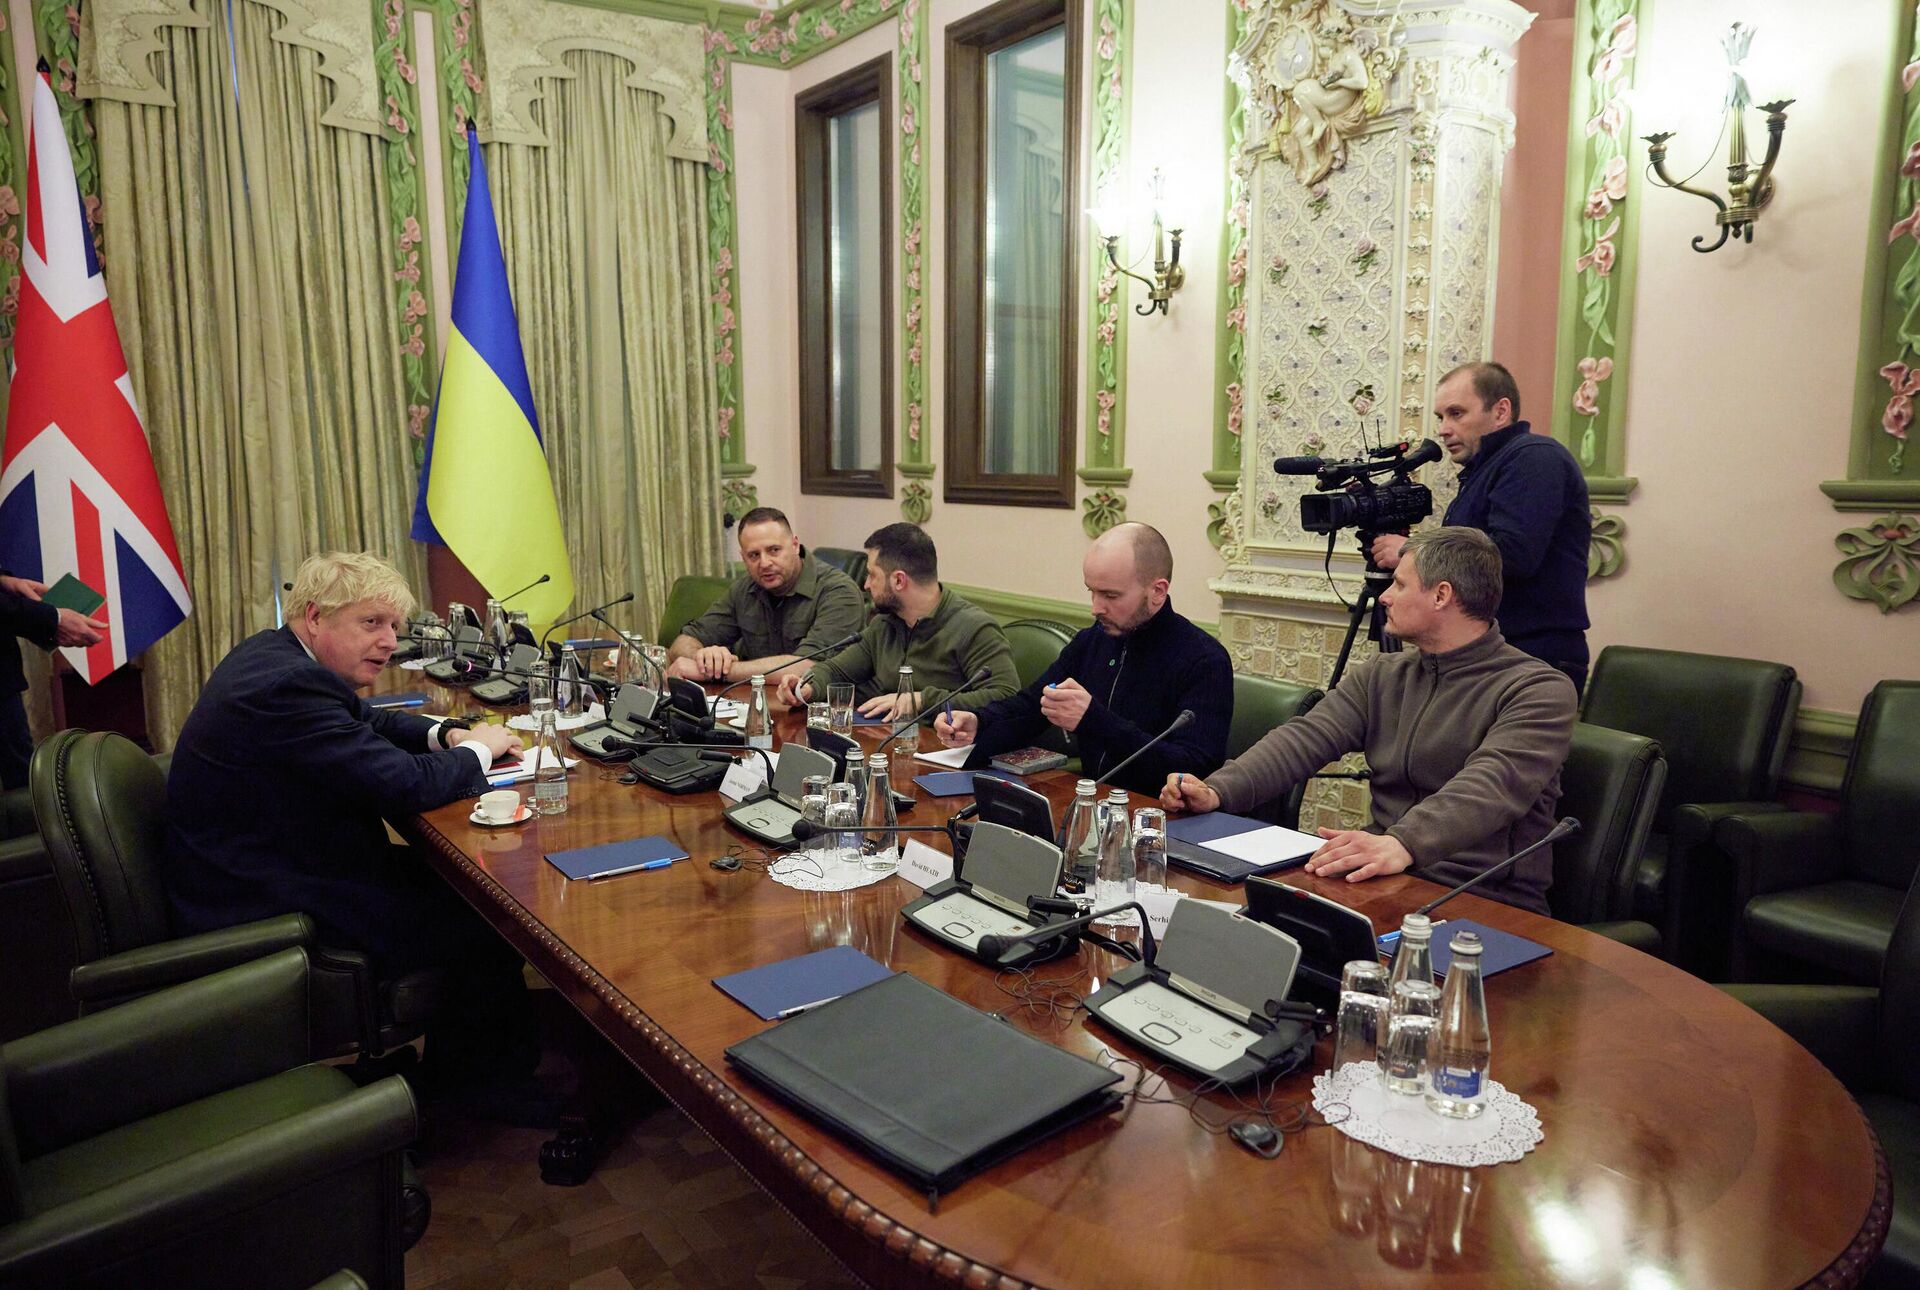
(1688, 1141)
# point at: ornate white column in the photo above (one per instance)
(1375, 136)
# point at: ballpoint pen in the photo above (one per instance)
(799, 1008)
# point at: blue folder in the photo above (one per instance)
(800, 982)
(956, 783)
(615, 857)
(1202, 829)
(1499, 950)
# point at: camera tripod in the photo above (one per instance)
(1366, 606)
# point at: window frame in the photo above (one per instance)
(969, 43)
(814, 110)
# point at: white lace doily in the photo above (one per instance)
(805, 871)
(414, 665)
(593, 713)
(1506, 1130)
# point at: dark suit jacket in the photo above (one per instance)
(19, 616)
(279, 782)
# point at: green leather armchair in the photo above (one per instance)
(1723, 725)
(1259, 704)
(1036, 643)
(182, 1141)
(102, 805)
(850, 562)
(1819, 894)
(36, 943)
(690, 597)
(1611, 783)
(1869, 1037)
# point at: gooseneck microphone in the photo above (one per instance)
(997, 947)
(1180, 722)
(804, 829)
(1567, 826)
(586, 613)
(849, 639)
(545, 577)
(901, 728)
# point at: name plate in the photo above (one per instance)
(744, 778)
(1159, 903)
(922, 866)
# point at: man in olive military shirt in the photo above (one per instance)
(917, 622)
(785, 605)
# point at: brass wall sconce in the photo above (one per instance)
(1168, 277)
(1748, 189)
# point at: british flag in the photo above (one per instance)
(78, 492)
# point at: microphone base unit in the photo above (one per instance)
(455, 671)
(764, 818)
(951, 914)
(499, 693)
(1177, 1028)
(677, 771)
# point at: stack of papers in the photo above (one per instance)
(953, 757)
(519, 772)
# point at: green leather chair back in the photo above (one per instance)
(102, 806)
(1036, 643)
(1611, 783)
(690, 597)
(1880, 796)
(1723, 724)
(851, 563)
(1900, 1006)
(1262, 702)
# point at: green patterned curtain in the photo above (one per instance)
(605, 240)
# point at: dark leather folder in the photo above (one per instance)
(934, 1089)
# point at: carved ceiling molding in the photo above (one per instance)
(525, 42)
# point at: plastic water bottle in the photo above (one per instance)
(1461, 1049)
(1114, 880)
(759, 724)
(550, 771)
(1080, 839)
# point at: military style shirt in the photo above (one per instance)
(823, 607)
(945, 648)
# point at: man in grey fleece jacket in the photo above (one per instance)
(1465, 736)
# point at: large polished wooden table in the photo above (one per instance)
(1688, 1142)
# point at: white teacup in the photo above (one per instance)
(499, 806)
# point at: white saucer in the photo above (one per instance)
(525, 814)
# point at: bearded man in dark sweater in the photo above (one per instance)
(1465, 736)
(1121, 681)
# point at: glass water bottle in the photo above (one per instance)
(1461, 1048)
(567, 686)
(1413, 960)
(759, 724)
(550, 769)
(497, 631)
(877, 850)
(1113, 882)
(905, 709)
(1080, 839)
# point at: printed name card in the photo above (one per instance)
(922, 866)
(1159, 903)
(744, 778)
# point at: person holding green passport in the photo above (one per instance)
(919, 623)
(23, 612)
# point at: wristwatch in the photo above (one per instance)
(451, 724)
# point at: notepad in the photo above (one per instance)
(611, 858)
(950, 757)
(956, 783)
(1255, 842)
(801, 982)
(1499, 950)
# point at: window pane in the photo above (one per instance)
(855, 312)
(1026, 184)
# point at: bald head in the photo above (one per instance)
(1127, 570)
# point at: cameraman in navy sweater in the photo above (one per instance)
(1526, 492)
(1121, 681)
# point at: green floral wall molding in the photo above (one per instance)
(1881, 561)
(720, 48)
(915, 459)
(738, 495)
(398, 79)
(1600, 227)
(1878, 560)
(57, 30)
(1231, 338)
(460, 87)
(1107, 310)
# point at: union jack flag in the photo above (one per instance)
(78, 492)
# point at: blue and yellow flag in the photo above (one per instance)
(484, 487)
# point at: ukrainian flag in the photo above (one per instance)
(484, 488)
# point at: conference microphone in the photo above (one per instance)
(804, 830)
(588, 613)
(998, 947)
(716, 753)
(1180, 722)
(1567, 826)
(932, 711)
(849, 639)
(545, 577)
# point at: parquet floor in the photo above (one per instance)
(667, 1209)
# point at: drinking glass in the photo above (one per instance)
(819, 716)
(656, 656)
(1150, 848)
(1361, 1023)
(813, 809)
(1410, 1026)
(843, 814)
(840, 708)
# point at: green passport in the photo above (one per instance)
(71, 593)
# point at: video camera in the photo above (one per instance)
(1348, 495)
